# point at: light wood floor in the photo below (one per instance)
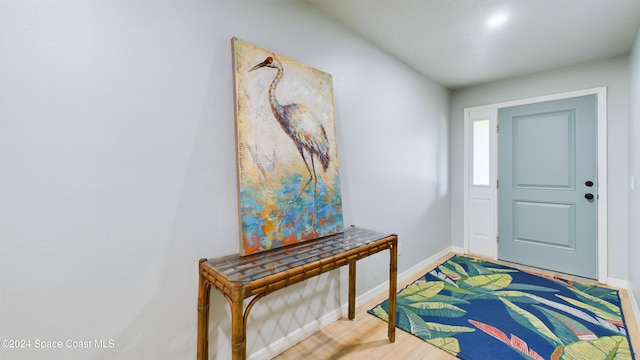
(366, 337)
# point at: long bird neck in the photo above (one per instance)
(275, 105)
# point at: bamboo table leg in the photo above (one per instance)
(204, 295)
(238, 326)
(352, 290)
(393, 283)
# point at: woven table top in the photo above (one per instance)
(236, 268)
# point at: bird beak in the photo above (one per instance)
(264, 63)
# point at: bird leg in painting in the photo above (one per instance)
(315, 194)
(312, 176)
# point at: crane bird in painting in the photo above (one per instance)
(306, 132)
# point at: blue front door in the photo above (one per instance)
(547, 193)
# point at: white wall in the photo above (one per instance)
(613, 73)
(634, 170)
(117, 156)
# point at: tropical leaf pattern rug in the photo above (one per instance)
(475, 309)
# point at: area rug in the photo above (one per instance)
(477, 310)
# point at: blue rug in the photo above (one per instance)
(479, 310)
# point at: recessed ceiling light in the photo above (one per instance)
(497, 20)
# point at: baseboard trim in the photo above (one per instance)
(279, 346)
(382, 288)
(634, 305)
(311, 328)
(457, 250)
(624, 284)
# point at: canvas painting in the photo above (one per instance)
(288, 178)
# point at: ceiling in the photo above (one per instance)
(453, 43)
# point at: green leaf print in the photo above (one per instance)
(436, 309)
(566, 328)
(410, 321)
(448, 344)
(486, 282)
(529, 320)
(604, 348)
(597, 302)
(380, 312)
(596, 310)
(421, 290)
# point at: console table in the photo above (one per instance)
(254, 276)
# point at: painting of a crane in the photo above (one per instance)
(289, 185)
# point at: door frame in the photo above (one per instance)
(491, 111)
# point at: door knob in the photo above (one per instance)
(588, 196)
(589, 183)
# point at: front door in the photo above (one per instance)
(547, 190)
